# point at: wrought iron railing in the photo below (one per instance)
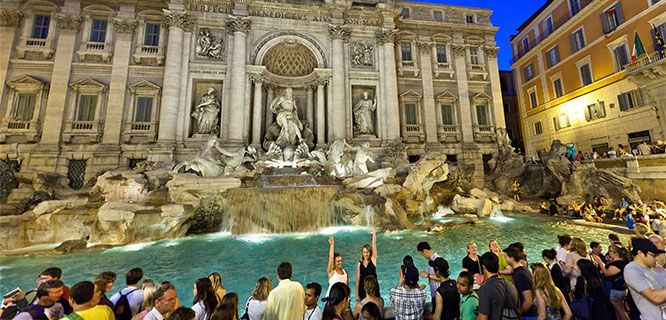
(645, 61)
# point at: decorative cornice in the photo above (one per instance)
(338, 32)
(126, 26)
(321, 81)
(10, 18)
(238, 24)
(178, 19)
(424, 45)
(256, 79)
(490, 51)
(387, 36)
(459, 50)
(68, 21)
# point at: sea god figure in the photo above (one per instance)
(287, 118)
(364, 111)
(206, 113)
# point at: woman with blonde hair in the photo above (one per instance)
(149, 292)
(256, 305)
(372, 289)
(577, 251)
(216, 279)
(367, 265)
(549, 299)
(505, 270)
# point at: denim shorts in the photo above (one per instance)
(618, 295)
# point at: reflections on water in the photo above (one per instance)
(242, 260)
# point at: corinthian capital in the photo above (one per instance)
(178, 19)
(9, 17)
(424, 45)
(490, 51)
(387, 36)
(238, 24)
(459, 50)
(68, 21)
(338, 32)
(126, 26)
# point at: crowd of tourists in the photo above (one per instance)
(573, 281)
(641, 149)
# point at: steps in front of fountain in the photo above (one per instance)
(287, 178)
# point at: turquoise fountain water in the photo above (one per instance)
(242, 260)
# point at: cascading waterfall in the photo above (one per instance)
(369, 215)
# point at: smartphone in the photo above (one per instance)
(12, 294)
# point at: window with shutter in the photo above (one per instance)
(98, 31)
(144, 107)
(406, 49)
(474, 55)
(152, 36)
(411, 116)
(87, 105)
(557, 85)
(601, 111)
(481, 115)
(574, 6)
(553, 57)
(549, 25)
(621, 58)
(586, 74)
(441, 53)
(447, 114)
(533, 99)
(555, 124)
(40, 29)
(577, 41)
(626, 101)
(537, 128)
(24, 106)
(526, 44)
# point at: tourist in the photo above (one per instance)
(110, 278)
(645, 279)
(590, 214)
(621, 152)
(471, 263)
(334, 269)
(596, 250)
(84, 298)
(505, 270)
(182, 313)
(644, 149)
(24, 299)
(312, 293)
(407, 298)
(447, 299)
(147, 282)
(205, 301)
(336, 302)
(543, 208)
(549, 256)
(55, 273)
(579, 156)
(219, 289)
(614, 274)
(595, 155)
(522, 279)
(552, 209)
(225, 311)
(515, 188)
(469, 300)
(231, 297)
(603, 206)
(287, 300)
(46, 306)
(611, 153)
(577, 208)
(149, 292)
(550, 301)
(367, 265)
(659, 148)
(630, 218)
(256, 304)
(563, 250)
(101, 287)
(621, 209)
(373, 296)
(166, 301)
(589, 301)
(497, 297)
(578, 251)
(128, 301)
(426, 251)
(371, 311)
(659, 242)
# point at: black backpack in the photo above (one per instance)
(122, 308)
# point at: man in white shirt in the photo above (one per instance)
(562, 250)
(287, 300)
(46, 305)
(645, 279)
(132, 292)
(166, 301)
(312, 311)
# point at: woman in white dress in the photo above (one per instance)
(256, 305)
(334, 270)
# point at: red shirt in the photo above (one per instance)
(65, 292)
(579, 157)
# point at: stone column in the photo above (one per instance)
(321, 117)
(62, 67)
(270, 89)
(184, 106)
(177, 21)
(240, 27)
(9, 22)
(430, 115)
(466, 121)
(113, 121)
(309, 106)
(493, 71)
(256, 112)
(338, 34)
(386, 37)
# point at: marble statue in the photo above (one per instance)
(205, 163)
(288, 140)
(362, 54)
(287, 118)
(364, 112)
(206, 113)
(208, 46)
(363, 155)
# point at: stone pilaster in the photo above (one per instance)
(270, 90)
(321, 116)
(62, 67)
(239, 27)
(430, 115)
(337, 124)
(256, 111)
(309, 105)
(9, 22)
(386, 37)
(493, 71)
(466, 121)
(184, 105)
(124, 29)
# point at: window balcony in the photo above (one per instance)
(650, 66)
(413, 133)
(443, 70)
(95, 51)
(146, 53)
(140, 132)
(449, 133)
(19, 131)
(43, 47)
(477, 72)
(484, 133)
(82, 132)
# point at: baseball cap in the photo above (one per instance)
(644, 245)
(440, 264)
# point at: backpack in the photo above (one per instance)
(509, 312)
(36, 312)
(122, 309)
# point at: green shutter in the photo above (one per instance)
(87, 105)
(410, 114)
(25, 106)
(144, 109)
(481, 115)
(447, 115)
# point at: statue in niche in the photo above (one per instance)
(288, 139)
(287, 118)
(364, 112)
(362, 54)
(206, 113)
(208, 46)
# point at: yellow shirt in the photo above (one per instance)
(502, 265)
(98, 312)
(285, 302)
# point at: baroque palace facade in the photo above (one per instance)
(93, 85)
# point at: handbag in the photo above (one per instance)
(581, 307)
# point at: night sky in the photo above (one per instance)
(508, 15)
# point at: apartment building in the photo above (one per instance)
(574, 77)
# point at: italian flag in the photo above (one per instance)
(638, 48)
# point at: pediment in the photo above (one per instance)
(89, 83)
(26, 81)
(446, 96)
(481, 96)
(410, 94)
(145, 85)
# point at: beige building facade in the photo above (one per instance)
(93, 85)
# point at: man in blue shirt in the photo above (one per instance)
(622, 207)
